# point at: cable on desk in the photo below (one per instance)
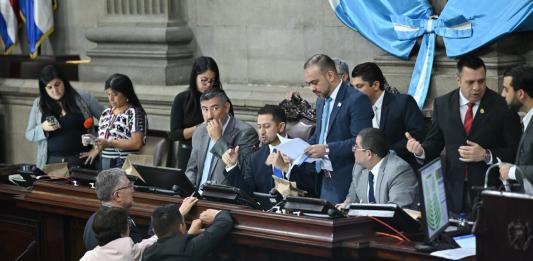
(390, 235)
(390, 227)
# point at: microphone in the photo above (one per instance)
(497, 164)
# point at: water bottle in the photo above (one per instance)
(461, 221)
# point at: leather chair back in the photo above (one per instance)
(157, 145)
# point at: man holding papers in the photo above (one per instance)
(265, 162)
(341, 113)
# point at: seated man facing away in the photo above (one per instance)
(113, 189)
(175, 243)
(112, 227)
(265, 162)
(219, 132)
(379, 175)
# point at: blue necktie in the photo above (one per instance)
(207, 164)
(323, 129)
(371, 198)
(277, 172)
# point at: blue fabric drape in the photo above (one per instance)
(465, 25)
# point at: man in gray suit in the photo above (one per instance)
(219, 132)
(518, 93)
(379, 175)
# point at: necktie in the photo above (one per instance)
(375, 120)
(469, 118)
(277, 172)
(371, 198)
(207, 164)
(323, 128)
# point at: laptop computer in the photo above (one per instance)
(164, 180)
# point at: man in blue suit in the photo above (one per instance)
(394, 114)
(265, 162)
(341, 113)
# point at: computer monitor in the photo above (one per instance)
(169, 179)
(433, 198)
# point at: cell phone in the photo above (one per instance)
(52, 120)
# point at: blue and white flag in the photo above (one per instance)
(39, 22)
(465, 25)
(8, 25)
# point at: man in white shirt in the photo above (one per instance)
(518, 93)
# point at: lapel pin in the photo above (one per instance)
(481, 111)
(339, 104)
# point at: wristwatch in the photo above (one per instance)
(488, 156)
(327, 148)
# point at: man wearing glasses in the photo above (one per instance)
(113, 189)
(219, 132)
(379, 175)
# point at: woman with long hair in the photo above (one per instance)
(186, 115)
(122, 127)
(58, 119)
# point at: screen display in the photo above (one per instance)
(435, 209)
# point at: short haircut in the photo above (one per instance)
(522, 78)
(110, 224)
(166, 219)
(278, 114)
(107, 181)
(342, 67)
(373, 139)
(369, 72)
(214, 93)
(324, 62)
(472, 62)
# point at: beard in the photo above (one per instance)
(515, 105)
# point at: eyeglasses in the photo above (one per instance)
(129, 186)
(354, 148)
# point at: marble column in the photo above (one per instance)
(147, 40)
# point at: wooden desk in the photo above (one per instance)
(54, 216)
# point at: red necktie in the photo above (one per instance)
(469, 118)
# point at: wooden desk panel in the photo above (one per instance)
(256, 235)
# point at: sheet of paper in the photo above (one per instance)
(294, 149)
(455, 254)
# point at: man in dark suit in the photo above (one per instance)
(265, 162)
(518, 93)
(475, 126)
(394, 114)
(341, 113)
(219, 132)
(176, 243)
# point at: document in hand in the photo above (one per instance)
(294, 149)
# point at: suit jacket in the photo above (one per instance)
(190, 248)
(495, 127)
(352, 112)
(400, 113)
(396, 183)
(524, 155)
(257, 176)
(236, 133)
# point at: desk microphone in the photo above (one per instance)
(497, 164)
